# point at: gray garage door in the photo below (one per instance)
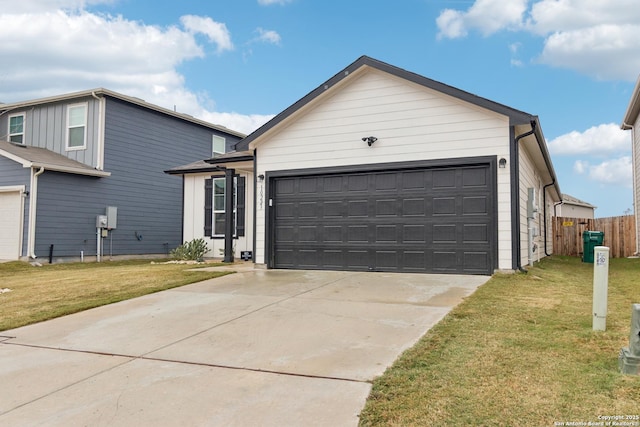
(439, 220)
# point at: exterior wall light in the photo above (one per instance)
(502, 163)
(370, 140)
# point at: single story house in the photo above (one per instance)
(572, 207)
(631, 121)
(380, 169)
(70, 160)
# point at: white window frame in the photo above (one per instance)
(85, 105)
(22, 134)
(216, 212)
(219, 139)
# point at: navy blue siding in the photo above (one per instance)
(12, 173)
(139, 146)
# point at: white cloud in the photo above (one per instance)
(594, 37)
(599, 140)
(216, 32)
(240, 122)
(486, 16)
(451, 24)
(580, 166)
(268, 36)
(602, 51)
(41, 6)
(270, 2)
(550, 16)
(609, 172)
(56, 51)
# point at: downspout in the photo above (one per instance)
(33, 200)
(515, 195)
(101, 131)
(544, 212)
(635, 182)
(255, 202)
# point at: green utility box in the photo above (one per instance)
(591, 239)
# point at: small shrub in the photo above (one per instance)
(190, 251)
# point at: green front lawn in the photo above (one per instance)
(520, 351)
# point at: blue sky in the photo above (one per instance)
(573, 63)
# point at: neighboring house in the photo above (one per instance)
(575, 208)
(65, 159)
(631, 121)
(381, 169)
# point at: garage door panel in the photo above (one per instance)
(444, 206)
(386, 207)
(475, 262)
(475, 233)
(474, 177)
(429, 220)
(358, 208)
(477, 205)
(286, 210)
(414, 207)
(445, 261)
(444, 179)
(308, 210)
(414, 234)
(414, 261)
(357, 259)
(11, 212)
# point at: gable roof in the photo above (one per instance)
(35, 157)
(214, 164)
(570, 200)
(130, 99)
(515, 116)
(633, 109)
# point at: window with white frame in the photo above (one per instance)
(219, 215)
(16, 128)
(76, 126)
(219, 145)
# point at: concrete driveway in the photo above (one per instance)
(259, 347)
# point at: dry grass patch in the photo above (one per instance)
(41, 293)
(520, 351)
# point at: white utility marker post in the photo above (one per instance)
(600, 287)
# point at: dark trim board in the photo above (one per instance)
(386, 234)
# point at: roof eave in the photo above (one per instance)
(633, 109)
(120, 96)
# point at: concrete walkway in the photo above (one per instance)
(259, 347)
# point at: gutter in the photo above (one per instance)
(626, 126)
(516, 245)
(33, 200)
(544, 213)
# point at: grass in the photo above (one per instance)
(520, 351)
(41, 293)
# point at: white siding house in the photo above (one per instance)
(572, 207)
(381, 169)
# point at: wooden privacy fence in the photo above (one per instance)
(619, 235)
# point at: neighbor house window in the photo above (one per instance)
(214, 210)
(76, 126)
(16, 128)
(219, 144)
